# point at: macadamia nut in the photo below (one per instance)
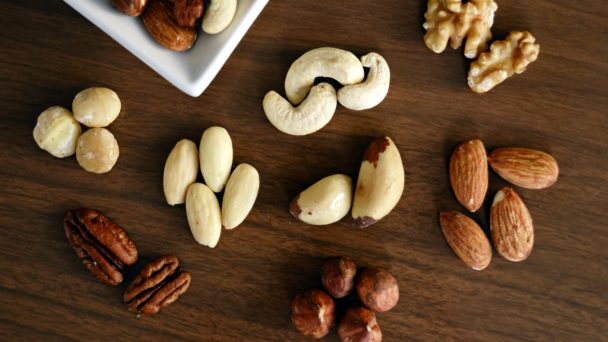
(57, 132)
(96, 107)
(97, 150)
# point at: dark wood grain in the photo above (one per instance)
(242, 289)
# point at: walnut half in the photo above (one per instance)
(505, 58)
(453, 21)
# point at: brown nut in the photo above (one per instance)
(511, 226)
(338, 276)
(187, 12)
(159, 21)
(157, 285)
(358, 325)
(104, 247)
(312, 313)
(131, 8)
(378, 289)
(469, 174)
(466, 238)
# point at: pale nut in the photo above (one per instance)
(240, 195)
(511, 226)
(528, 168)
(219, 15)
(57, 132)
(203, 213)
(505, 58)
(380, 183)
(162, 26)
(181, 169)
(469, 174)
(359, 325)
(325, 202)
(453, 21)
(373, 90)
(131, 8)
(341, 65)
(466, 239)
(96, 107)
(310, 116)
(97, 150)
(215, 153)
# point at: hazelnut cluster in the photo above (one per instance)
(362, 294)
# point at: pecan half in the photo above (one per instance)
(157, 285)
(187, 12)
(104, 247)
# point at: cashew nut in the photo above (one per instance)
(310, 116)
(218, 15)
(370, 93)
(338, 64)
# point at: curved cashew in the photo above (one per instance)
(310, 116)
(218, 15)
(370, 93)
(338, 64)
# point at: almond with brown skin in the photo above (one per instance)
(469, 174)
(511, 226)
(131, 8)
(530, 169)
(158, 19)
(187, 12)
(466, 239)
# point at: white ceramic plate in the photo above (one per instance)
(191, 71)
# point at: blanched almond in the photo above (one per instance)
(181, 170)
(216, 157)
(203, 212)
(239, 197)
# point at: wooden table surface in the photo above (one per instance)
(242, 289)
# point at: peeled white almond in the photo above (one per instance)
(180, 172)
(215, 153)
(203, 212)
(240, 195)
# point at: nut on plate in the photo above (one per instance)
(158, 19)
(511, 226)
(338, 276)
(380, 183)
(57, 132)
(325, 202)
(219, 15)
(505, 58)
(103, 246)
(373, 90)
(131, 8)
(453, 21)
(188, 12)
(96, 107)
(181, 169)
(359, 324)
(466, 239)
(530, 169)
(377, 289)
(469, 174)
(157, 285)
(97, 150)
(240, 195)
(215, 155)
(203, 213)
(308, 117)
(312, 313)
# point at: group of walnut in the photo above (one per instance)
(172, 23)
(374, 289)
(511, 225)
(108, 253)
(452, 21)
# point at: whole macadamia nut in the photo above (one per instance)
(96, 107)
(312, 313)
(97, 150)
(338, 276)
(57, 132)
(359, 324)
(377, 289)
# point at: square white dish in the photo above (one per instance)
(191, 71)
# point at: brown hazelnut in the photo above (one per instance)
(312, 313)
(358, 325)
(338, 276)
(377, 289)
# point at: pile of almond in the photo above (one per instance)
(510, 222)
(214, 155)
